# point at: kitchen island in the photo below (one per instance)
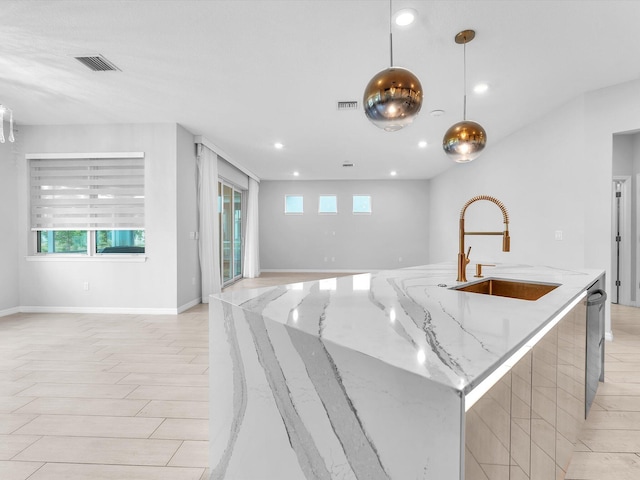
(378, 376)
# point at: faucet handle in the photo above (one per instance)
(479, 269)
(466, 257)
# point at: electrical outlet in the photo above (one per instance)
(85, 286)
(558, 234)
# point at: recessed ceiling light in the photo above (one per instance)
(295, 174)
(393, 173)
(405, 17)
(278, 145)
(423, 144)
(436, 113)
(481, 88)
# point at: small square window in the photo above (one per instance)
(328, 204)
(293, 204)
(362, 204)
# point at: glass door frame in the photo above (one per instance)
(231, 213)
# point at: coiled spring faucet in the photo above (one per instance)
(463, 259)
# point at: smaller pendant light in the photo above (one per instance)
(465, 140)
(393, 97)
(4, 110)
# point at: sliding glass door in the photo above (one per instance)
(230, 208)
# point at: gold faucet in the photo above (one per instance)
(463, 259)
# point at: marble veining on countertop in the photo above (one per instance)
(412, 320)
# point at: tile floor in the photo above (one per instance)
(125, 397)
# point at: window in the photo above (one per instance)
(362, 204)
(62, 241)
(87, 203)
(119, 241)
(293, 204)
(327, 204)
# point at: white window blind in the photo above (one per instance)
(99, 191)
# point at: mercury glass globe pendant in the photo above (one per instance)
(393, 97)
(465, 140)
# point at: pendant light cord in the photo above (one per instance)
(464, 56)
(390, 35)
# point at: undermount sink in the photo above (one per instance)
(509, 288)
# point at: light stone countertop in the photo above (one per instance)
(411, 319)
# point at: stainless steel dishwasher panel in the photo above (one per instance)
(596, 297)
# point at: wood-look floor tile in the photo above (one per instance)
(175, 409)
(44, 365)
(11, 470)
(104, 378)
(622, 403)
(622, 367)
(608, 388)
(604, 441)
(195, 351)
(64, 356)
(145, 358)
(172, 368)
(141, 349)
(183, 429)
(83, 406)
(201, 360)
(77, 390)
(622, 377)
(625, 357)
(612, 420)
(191, 454)
(9, 404)
(74, 471)
(10, 422)
(161, 392)
(11, 445)
(165, 379)
(114, 451)
(14, 388)
(603, 466)
(12, 376)
(9, 365)
(90, 426)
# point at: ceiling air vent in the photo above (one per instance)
(97, 63)
(347, 164)
(351, 105)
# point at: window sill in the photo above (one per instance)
(86, 258)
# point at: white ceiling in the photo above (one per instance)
(246, 74)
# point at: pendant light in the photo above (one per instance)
(4, 110)
(465, 140)
(393, 97)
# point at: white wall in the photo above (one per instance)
(148, 286)
(397, 228)
(552, 175)
(538, 173)
(189, 285)
(9, 292)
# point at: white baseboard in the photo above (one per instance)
(109, 310)
(9, 311)
(315, 270)
(187, 306)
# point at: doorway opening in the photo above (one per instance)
(623, 275)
